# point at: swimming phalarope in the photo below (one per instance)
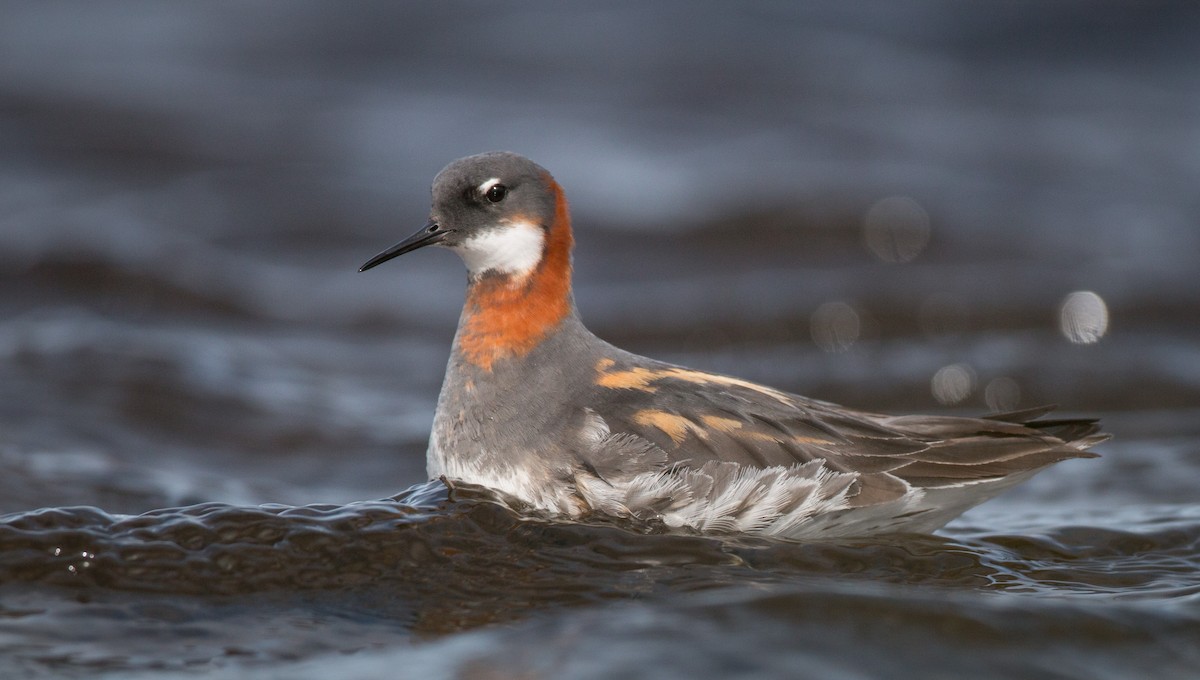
(536, 406)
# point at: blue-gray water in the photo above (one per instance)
(909, 207)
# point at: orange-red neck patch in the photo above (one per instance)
(510, 315)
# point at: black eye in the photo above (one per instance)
(496, 193)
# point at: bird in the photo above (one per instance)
(535, 406)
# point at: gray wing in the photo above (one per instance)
(672, 416)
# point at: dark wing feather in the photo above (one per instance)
(696, 418)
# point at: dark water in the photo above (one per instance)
(252, 590)
(924, 206)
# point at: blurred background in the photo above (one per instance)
(919, 206)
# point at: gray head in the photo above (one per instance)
(496, 210)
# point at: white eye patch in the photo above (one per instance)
(511, 248)
(483, 188)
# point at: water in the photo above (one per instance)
(260, 591)
(924, 207)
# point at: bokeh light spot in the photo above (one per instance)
(953, 383)
(896, 229)
(835, 326)
(1083, 317)
(1002, 394)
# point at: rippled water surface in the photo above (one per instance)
(908, 207)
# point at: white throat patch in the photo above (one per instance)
(512, 248)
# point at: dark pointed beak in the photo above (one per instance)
(430, 234)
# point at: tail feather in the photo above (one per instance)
(1022, 416)
(1078, 433)
(977, 450)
